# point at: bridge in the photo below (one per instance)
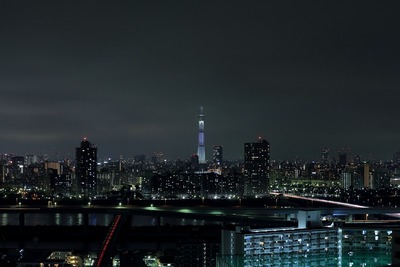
(238, 214)
(232, 214)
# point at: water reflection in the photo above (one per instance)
(35, 219)
(9, 219)
(100, 219)
(361, 247)
(66, 219)
(79, 219)
(139, 220)
(57, 218)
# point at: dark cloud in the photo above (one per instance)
(131, 76)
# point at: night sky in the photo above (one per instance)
(131, 76)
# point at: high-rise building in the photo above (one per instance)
(357, 159)
(346, 180)
(217, 156)
(342, 158)
(396, 157)
(368, 178)
(31, 159)
(196, 252)
(325, 156)
(86, 164)
(53, 165)
(201, 151)
(345, 156)
(256, 168)
(309, 244)
(2, 171)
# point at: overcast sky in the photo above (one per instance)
(131, 76)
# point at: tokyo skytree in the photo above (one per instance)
(201, 151)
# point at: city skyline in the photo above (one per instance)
(131, 77)
(326, 156)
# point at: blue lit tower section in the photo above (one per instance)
(201, 151)
(86, 164)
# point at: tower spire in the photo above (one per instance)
(201, 149)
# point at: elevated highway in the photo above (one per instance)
(236, 214)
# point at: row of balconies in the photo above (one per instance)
(295, 239)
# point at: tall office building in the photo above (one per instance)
(201, 151)
(396, 157)
(357, 159)
(367, 175)
(346, 180)
(86, 164)
(325, 156)
(2, 172)
(256, 168)
(342, 158)
(345, 156)
(217, 156)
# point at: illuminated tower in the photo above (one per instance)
(201, 151)
(86, 164)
